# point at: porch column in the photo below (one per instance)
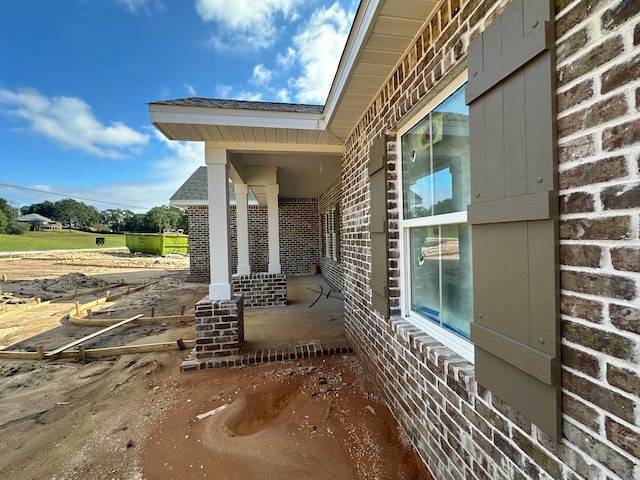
(274, 229)
(242, 219)
(220, 287)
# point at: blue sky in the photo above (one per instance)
(75, 77)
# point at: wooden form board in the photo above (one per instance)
(89, 337)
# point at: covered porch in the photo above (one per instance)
(283, 162)
(311, 325)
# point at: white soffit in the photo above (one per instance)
(381, 34)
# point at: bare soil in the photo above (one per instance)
(136, 416)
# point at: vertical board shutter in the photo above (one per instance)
(513, 213)
(378, 226)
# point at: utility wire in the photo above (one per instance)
(69, 196)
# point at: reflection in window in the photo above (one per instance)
(435, 182)
(440, 270)
(435, 161)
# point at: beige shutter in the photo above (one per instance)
(513, 211)
(378, 226)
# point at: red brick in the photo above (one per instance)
(597, 284)
(576, 202)
(607, 228)
(625, 318)
(601, 54)
(575, 95)
(626, 258)
(599, 340)
(589, 173)
(577, 149)
(621, 136)
(617, 16)
(612, 402)
(581, 412)
(583, 308)
(624, 379)
(602, 112)
(620, 75)
(620, 197)
(580, 255)
(622, 436)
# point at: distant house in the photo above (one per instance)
(39, 223)
(490, 266)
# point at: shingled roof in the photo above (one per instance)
(241, 105)
(195, 188)
(195, 191)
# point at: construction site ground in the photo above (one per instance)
(135, 416)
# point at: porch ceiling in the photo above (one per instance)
(381, 33)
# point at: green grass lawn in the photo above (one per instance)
(58, 240)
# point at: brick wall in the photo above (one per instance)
(199, 270)
(299, 238)
(460, 429)
(329, 268)
(299, 235)
(261, 289)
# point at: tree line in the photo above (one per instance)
(79, 216)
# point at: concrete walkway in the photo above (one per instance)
(302, 321)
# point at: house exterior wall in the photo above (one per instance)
(460, 429)
(330, 268)
(299, 238)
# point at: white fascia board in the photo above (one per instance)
(234, 118)
(187, 203)
(278, 147)
(362, 25)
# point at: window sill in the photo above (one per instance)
(453, 369)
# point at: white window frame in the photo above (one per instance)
(458, 344)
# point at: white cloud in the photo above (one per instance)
(136, 6)
(261, 75)
(190, 90)
(287, 60)
(247, 22)
(284, 95)
(70, 122)
(318, 50)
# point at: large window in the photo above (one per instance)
(437, 241)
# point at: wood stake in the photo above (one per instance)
(89, 313)
(77, 308)
(108, 295)
(40, 350)
(38, 300)
(182, 310)
(4, 278)
(153, 312)
(181, 344)
(81, 352)
(128, 289)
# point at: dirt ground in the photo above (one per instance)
(138, 417)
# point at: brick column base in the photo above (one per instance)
(219, 328)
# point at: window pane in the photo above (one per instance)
(441, 280)
(435, 161)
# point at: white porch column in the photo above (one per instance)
(242, 219)
(220, 287)
(274, 229)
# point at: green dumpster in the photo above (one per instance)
(160, 244)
